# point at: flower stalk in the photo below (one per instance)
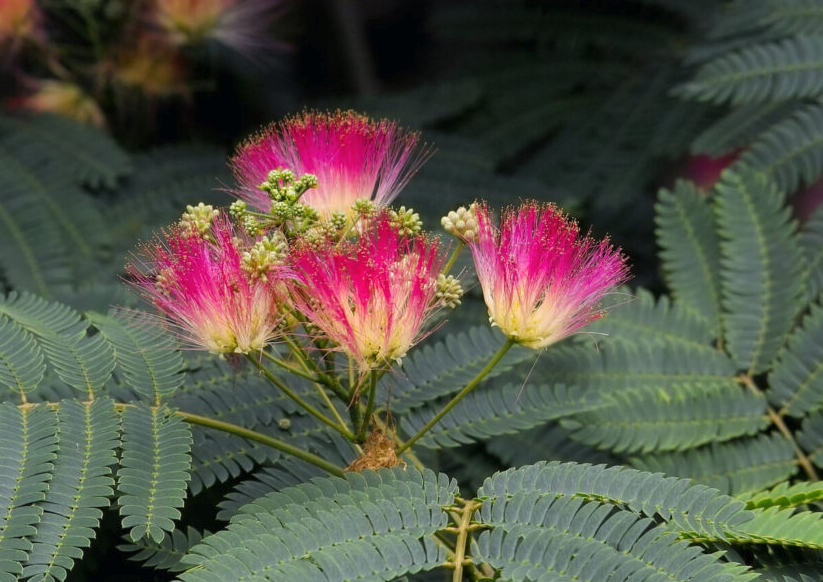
(460, 395)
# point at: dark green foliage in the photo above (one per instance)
(785, 69)
(797, 378)
(638, 316)
(810, 437)
(811, 241)
(21, 361)
(740, 127)
(790, 152)
(690, 507)
(148, 362)
(80, 487)
(443, 368)
(165, 555)
(738, 466)
(375, 524)
(28, 442)
(689, 251)
(762, 268)
(154, 470)
(676, 418)
(495, 410)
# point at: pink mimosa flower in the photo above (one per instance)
(542, 280)
(240, 24)
(201, 285)
(19, 19)
(372, 297)
(352, 156)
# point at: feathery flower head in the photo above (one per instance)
(18, 20)
(204, 289)
(542, 280)
(239, 24)
(352, 156)
(373, 296)
(63, 98)
(150, 65)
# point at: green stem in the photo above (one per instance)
(289, 368)
(261, 438)
(310, 364)
(460, 395)
(453, 257)
(364, 425)
(305, 405)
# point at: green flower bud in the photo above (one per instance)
(407, 221)
(462, 222)
(196, 221)
(449, 290)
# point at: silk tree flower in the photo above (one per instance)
(372, 297)
(19, 19)
(542, 281)
(353, 157)
(239, 24)
(62, 98)
(203, 287)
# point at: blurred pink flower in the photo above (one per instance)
(542, 280)
(352, 156)
(372, 297)
(19, 19)
(240, 24)
(201, 286)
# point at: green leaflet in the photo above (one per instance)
(145, 354)
(786, 69)
(370, 525)
(154, 469)
(796, 381)
(28, 443)
(689, 251)
(734, 467)
(80, 487)
(762, 268)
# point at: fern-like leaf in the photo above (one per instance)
(636, 316)
(811, 241)
(145, 354)
(674, 419)
(492, 411)
(790, 152)
(22, 365)
(689, 250)
(546, 443)
(165, 555)
(80, 487)
(375, 526)
(445, 367)
(781, 527)
(762, 268)
(747, 464)
(28, 442)
(781, 70)
(810, 437)
(786, 495)
(690, 507)
(796, 382)
(740, 127)
(154, 470)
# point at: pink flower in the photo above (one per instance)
(542, 280)
(372, 297)
(240, 24)
(352, 156)
(202, 287)
(19, 19)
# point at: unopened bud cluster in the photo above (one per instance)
(197, 220)
(407, 221)
(263, 255)
(449, 290)
(462, 222)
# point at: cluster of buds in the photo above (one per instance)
(462, 222)
(197, 220)
(264, 255)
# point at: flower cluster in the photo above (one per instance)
(316, 246)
